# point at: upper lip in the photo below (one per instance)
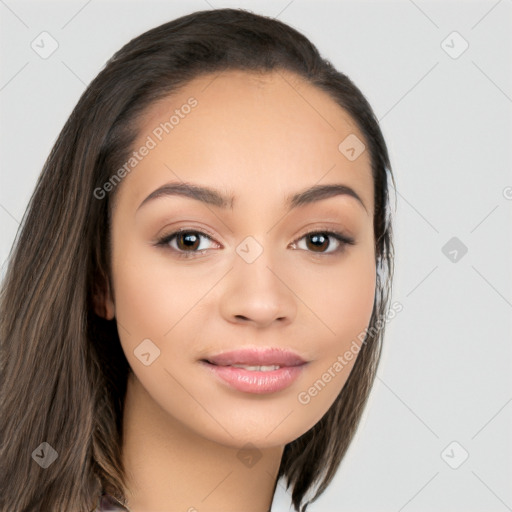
(257, 357)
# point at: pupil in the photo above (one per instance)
(317, 238)
(190, 240)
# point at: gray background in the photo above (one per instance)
(445, 374)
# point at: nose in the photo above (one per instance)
(258, 293)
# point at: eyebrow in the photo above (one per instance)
(217, 198)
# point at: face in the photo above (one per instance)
(251, 269)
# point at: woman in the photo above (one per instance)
(195, 304)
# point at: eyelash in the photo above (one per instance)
(342, 239)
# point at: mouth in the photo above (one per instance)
(251, 368)
(255, 370)
(257, 359)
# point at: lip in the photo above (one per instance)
(256, 357)
(252, 381)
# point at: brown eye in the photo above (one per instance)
(187, 240)
(318, 242)
(187, 243)
(324, 242)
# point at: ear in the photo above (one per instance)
(104, 305)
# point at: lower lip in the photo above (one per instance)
(249, 381)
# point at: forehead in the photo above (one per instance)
(253, 132)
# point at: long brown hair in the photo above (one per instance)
(63, 369)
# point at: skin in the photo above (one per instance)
(258, 137)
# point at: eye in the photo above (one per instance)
(186, 242)
(320, 242)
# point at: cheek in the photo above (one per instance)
(344, 305)
(143, 304)
(349, 299)
(343, 300)
(151, 295)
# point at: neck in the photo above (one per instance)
(170, 467)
